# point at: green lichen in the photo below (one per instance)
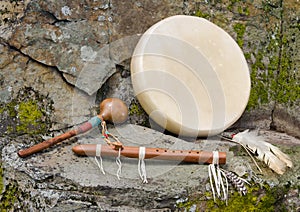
(238, 6)
(10, 107)
(135, 109)
(218, 18)
(275, 80)
(186, 205)
(8, 194)
(259, 94)
(243, 10)
(274, 73)
(231, 4)
(256, 199)
(259, 198)
(29, 113)
(137, 115)
(8, 197)
(30, 118)
(202, 14)
(9, 129)
(287, 82)
(240, 30)
(1, 179)
(24, 117)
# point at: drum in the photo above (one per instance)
(190, 76)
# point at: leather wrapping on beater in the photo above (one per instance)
(93, 122)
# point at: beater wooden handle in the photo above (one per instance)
(191, 156)
(50, 142)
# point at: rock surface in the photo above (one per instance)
(60, 59)
(57, 179)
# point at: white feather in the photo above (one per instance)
(264, 151)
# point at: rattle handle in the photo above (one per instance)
(191, 156)
(95, 121)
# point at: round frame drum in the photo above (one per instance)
(190, 76)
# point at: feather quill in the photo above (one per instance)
(264, 151)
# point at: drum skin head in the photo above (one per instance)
(190, 76)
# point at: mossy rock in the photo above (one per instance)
(259, 198)
(137, 115)
(8, 197)
(28, 113)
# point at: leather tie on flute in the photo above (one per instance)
(191, 156)
(112, 109)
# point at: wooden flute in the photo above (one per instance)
(190, 156)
